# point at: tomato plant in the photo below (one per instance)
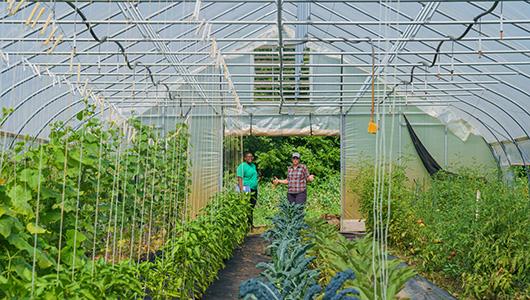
(472, 228)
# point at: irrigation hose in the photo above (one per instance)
(372, 126)
(468, 28)
(120, 46)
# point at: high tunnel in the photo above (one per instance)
(129, 106)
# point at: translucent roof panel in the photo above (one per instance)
(134, 56)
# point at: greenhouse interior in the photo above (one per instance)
(264, 149)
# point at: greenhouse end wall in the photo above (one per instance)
(448, 150)
(358, 145)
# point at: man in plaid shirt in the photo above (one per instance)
(297, 178)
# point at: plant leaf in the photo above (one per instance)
(19, 198)
(18, 241)
(35, 229)
(5, 226)
(30, 176)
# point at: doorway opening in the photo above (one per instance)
(321, 155)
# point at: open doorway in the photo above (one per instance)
(321, 155)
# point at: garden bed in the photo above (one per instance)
(469, 232)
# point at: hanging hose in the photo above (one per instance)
(120, 47)
(372, 126)
(469, 26)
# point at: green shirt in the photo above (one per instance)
(249, 174)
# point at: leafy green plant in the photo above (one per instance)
(471, 228)
(289, 271)
(333, 253)
(80, 198)
(255, 289)
(287, 224)
(289, 275)
(189, 263)
(118, 281)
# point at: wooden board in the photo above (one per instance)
(352, 225)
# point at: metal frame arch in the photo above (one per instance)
(33, 32)
(428, 45)
(427, 26)
(61, 96)
(516, 144)
(51, 84)
(84, 30)
(228, 25)
(55, 116)
(459, 86)
(486, 88)
(191, 30)
(465, 78)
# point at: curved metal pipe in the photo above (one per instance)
(88, 48)
(55, 116)
(256, 10)
(110, 56)
(487, 88)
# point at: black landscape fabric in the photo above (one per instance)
(428, 161)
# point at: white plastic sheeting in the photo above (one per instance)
(206, 156)
(512, 153)
(446, 148)
(500, 72)
(458, 126)
(296, 122)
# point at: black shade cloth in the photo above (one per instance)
(428, 161)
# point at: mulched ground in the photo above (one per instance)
(419, 288)
(240, 267)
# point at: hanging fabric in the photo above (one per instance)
(428, 161)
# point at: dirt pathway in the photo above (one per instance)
(240, 267)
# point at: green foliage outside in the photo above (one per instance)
(323, 197)
(520, 172)
(321, 155)
(273, 156)
(470, 229)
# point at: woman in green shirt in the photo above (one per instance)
(247, 177)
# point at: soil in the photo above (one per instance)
(240, 267)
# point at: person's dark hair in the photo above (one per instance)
(247, 153)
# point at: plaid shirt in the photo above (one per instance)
(297, 179)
